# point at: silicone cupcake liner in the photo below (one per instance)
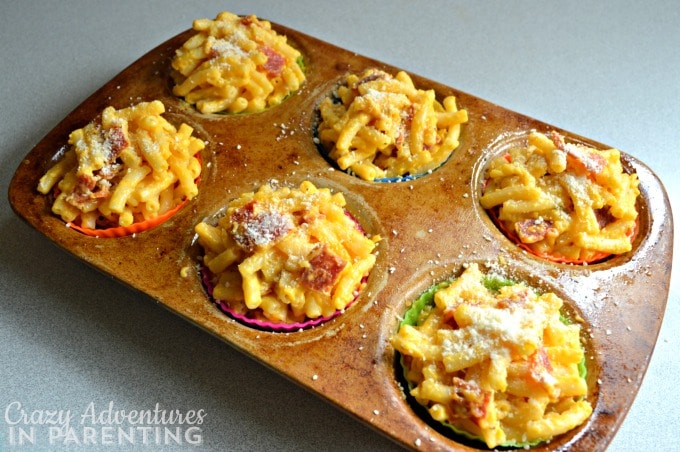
(134, 228)
(381, 180)
(325, 153)
(227, 35)
(265, 325)
(410, 317)
(596, 258)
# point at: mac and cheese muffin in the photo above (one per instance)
(237, 65)
(286, 256)
(125, 171)
(379, 126)
(494, 360)
(562, 201)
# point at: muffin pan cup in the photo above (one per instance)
(431, 227)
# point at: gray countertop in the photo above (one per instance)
(74, 339)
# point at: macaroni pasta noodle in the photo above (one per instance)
(236, 65)
(496, 362)
(286, 255)
(124, 167)
(563, 201)
(379, 126)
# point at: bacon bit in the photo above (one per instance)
(540, 368)
(86, 181)
(275, 61)
(115, 136)
(85, 190)
(469, 400)
(604, 217)
(589, 162)
(517, 299)
(250, 20)
(103, 192)
(558, 140)
(507, 157)
(214, 53)
(375, 75)
(251, 228)
(96, 184)
(532, 231)
(579, 157)
(449, 319)
(324, 269)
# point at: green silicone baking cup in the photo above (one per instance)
(492, 283)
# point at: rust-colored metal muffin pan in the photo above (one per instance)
(431, 227)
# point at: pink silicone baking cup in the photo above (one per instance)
(263, 324)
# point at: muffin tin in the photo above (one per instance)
(430, 227)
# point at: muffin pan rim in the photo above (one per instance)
(22, 200)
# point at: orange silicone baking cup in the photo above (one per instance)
(134, 228)
(141, 226)
(597, 257)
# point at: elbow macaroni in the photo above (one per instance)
(286, 255)
(127, 166)
(237, 65)
(563, 201)
(497, 364)
(380, 126)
